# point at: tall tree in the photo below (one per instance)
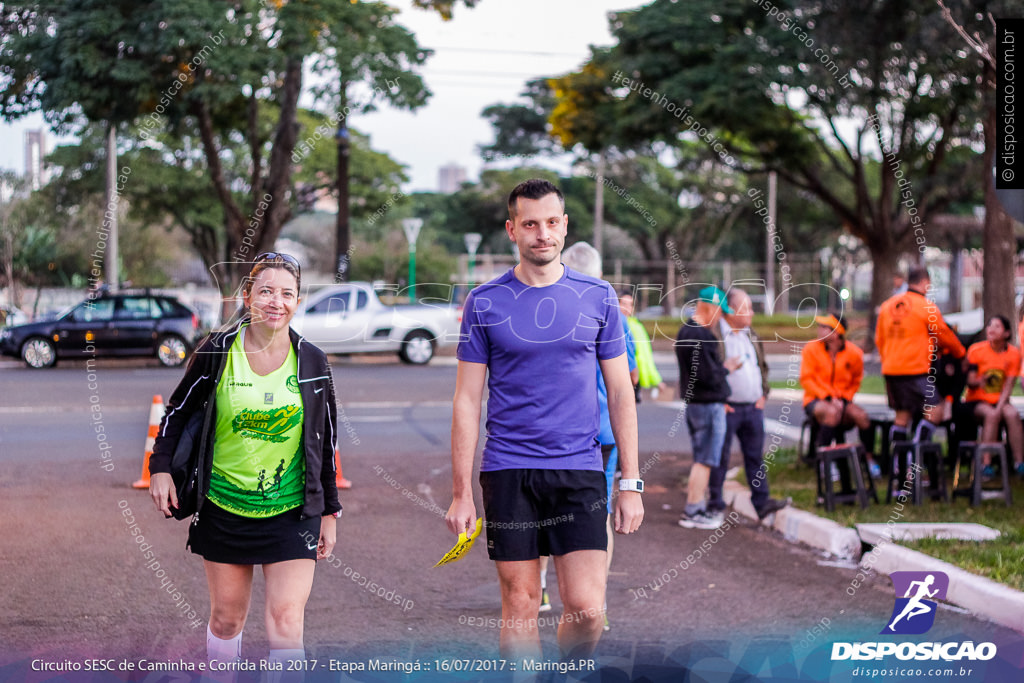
(777, 88)
(977, 29)
(168, 185)
(367, 48)
(188, 65)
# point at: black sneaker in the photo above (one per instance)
(772, 505)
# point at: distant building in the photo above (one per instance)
(450, 178)
(35, 150)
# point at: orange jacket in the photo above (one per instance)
(822, 376)
(910, 328)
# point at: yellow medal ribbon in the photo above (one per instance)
(463, 546)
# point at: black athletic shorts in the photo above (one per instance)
(911, 393)
(809, 408)
(529, 513)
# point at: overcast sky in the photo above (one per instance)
(483, 56)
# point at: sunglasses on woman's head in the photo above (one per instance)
(274, 255)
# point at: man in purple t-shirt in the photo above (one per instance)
(538, 330)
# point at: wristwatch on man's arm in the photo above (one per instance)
(631, 485)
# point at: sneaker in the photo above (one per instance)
(1020, 469)
(772, 505)
(545, 601)
(875, 470)
(702, 520)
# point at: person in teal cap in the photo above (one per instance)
(704, 390)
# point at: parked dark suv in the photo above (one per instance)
(128, 323)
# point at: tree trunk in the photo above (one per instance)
(884, 262)
(13, 297)
(279, 170)
(998, 241)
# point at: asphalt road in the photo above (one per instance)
(75, 583)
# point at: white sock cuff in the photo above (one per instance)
(223, 649)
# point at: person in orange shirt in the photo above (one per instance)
(992, 370)
(831, 370)
(910, 335)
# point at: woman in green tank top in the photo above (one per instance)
(253, 512)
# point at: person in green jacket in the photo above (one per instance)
(650, 378)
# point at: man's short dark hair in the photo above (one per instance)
(535, 188)
(917, 275)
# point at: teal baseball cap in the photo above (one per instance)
(714, 295)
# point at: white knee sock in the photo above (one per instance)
(223, 650)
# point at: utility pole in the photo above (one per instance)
(343, 233)
(110, 213)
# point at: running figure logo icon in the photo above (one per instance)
(914, 613)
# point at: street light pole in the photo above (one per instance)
(472, 240)
(411, 227)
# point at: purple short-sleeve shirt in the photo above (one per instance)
(540, 345)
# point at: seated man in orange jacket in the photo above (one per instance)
(831, 370)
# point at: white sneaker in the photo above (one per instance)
(545, 601)
(702, 520)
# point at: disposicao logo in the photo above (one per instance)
(914, 612)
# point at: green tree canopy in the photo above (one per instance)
(207, 70)
(780, 88)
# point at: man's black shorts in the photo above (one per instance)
(809, 408)
(529, 513)
(911, 393)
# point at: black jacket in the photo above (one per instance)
(701, 373)
(319, 423)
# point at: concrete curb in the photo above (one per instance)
(983, 597)
(799, 525)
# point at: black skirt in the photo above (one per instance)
(222, 536)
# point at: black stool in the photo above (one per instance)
(974, 453)
(808, 435)
(853, 457)
(919, 453)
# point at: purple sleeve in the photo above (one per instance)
(473, 346)
(611, 340)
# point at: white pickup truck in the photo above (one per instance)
(350, 318)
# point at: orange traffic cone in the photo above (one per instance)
(156, 413)
(340, 480)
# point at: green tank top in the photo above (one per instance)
(259, 463)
